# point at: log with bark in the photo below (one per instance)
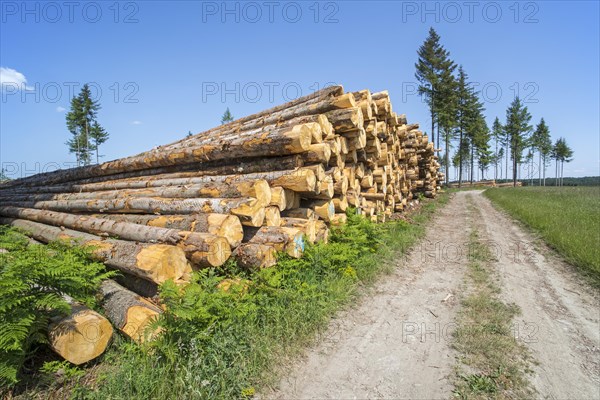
(154, 262)
(129, 313)
(80, 336)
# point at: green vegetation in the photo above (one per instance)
(227, 117)
(33, 282)
(495, 361)
(568, 219)
(228, 343)
(87, 133)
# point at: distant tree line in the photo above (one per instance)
(457, 117)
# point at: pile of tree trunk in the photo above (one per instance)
(247, 189)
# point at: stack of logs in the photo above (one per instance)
(247, 189)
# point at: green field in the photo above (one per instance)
(567, 218)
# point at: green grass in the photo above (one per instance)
(567, 218)
(225, 345)
(492, 362)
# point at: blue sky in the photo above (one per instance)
(161, 69)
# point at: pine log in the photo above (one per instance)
(253, 256)
(299, 212)
(322, 231)
(346, 119)
(81, 336)
(203, 249)
(130, 313)
(278, 197)
(323, 208)
(339, 219)
(318, 153)
(272, 216)
(307, 226)
(154, 262)
(322, 101)
(227, 226)
(258, 189)
(285, 239)
(340, 204)
(247, 209)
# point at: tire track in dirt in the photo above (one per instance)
(379, 348)
(394, 342)
(560, 320)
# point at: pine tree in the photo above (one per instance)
(99, 135)
(434, 71)
(517, 129)
(543, 144)
(227, 117)
(469, 113)
(498, 135)
(562, 153)
(80, 121)
(481, 145)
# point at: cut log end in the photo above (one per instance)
(81, 336)
(163, 262)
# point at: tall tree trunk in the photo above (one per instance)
(496, 161)
(515, 168)
(507, 158)
(437, 142)
(472, 162)
(540, 168)
(460, 160)
(447, 177)
(544, 172)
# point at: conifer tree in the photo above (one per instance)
(517, 129)
(543, 144)
(227, 117)
(434, 72)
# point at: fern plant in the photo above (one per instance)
(34, 280)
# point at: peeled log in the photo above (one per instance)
(227, 226)
(154, 262)
(129, 312)
(81, 336)
(307, 226)
(252, 256)
(281, 238)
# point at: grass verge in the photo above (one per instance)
(567, 218)
(227, 344)
(492, 362)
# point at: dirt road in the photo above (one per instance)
(396, 343)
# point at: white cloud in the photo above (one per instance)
(136, 122)
(10, 78)
(60, 109)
